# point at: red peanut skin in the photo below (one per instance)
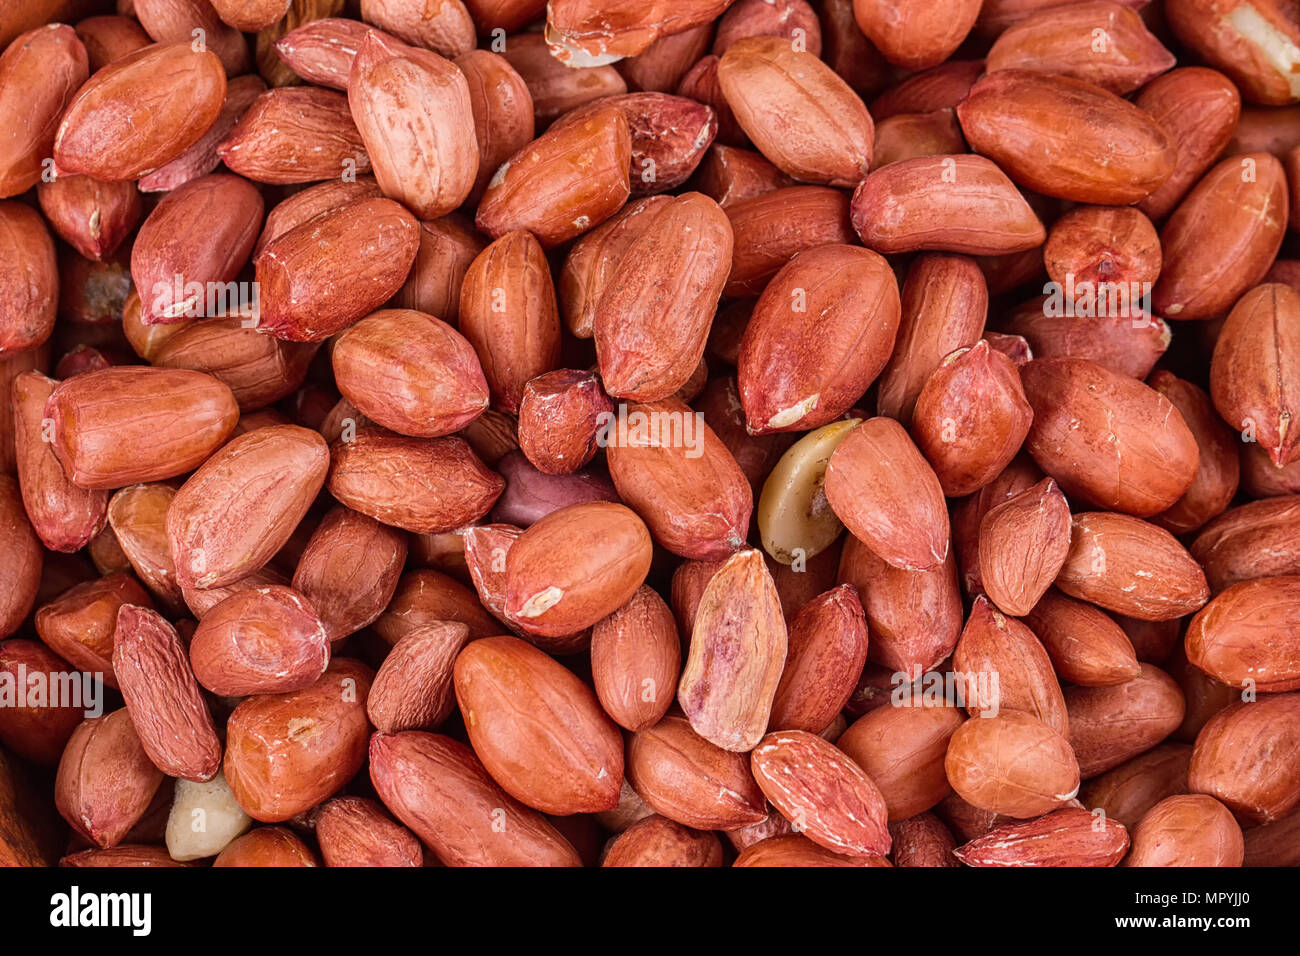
(1086, 646)
(1065, 837)
(557, 87)
(1063, 42)
(922, 840)
(768, 229)
(349, 570)
(79, 623)
(264, 640)
(410, 372)
(1096, 432)
(538, 729)
(902, 750)
(233, 514)
(162, 696)
(994, 644)
(652, 321)
(909, 135)
(413, 689)
(1109, 725)
(697, 506)
(168, 245)
(1254, 540)
(1046, 155)
(285, 753)
(341, 289)
(941, 87)
(1199, 108)
(583, 170)
(822, 329)
(1244, 756)
(40, 72)
(426, 596)
(818, 787)
(105, 780)
(661, 66)
(169, 21)
(793, 849)
(1247, 215)
(29, 283)
(1218, 471)
(970, 418)
(737, 652)
(36, 732)
(124, 855)
(108, 38)
(789, 19)
(916, 34)
(1187, 830)
(635, 655)
(202, 158)
(509, 315)
(503, 111)
(945, 302)
(354, 831)
(826, 648)
(915, 537)
(92, 216)
(1012, 764)
(684, 777)
(322, 51)
(414, 113)
(658, 841)
(295, 134)
(1204, 27)
(591, 262)
(447, 247)
(178, 92)
(1255, 367)
(438, 788)
(596, 554)
(1016, 581)
(267, 846)
(914, 618)
(560, 420)
(424, 485)
(669, 136)
(64, 516)
(800, 114)
(960, 203)
(302, 206)
(250, 16)
(444, 26)
(158, 424)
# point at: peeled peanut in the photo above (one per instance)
(1256, 43)
(204, 819)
